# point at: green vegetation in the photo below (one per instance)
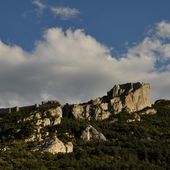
(137, 145)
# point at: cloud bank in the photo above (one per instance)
(72, 67)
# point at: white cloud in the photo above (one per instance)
(163, 30)
(65, 12)
(72, 66)
(41, 6)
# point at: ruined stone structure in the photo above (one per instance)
(44, 104)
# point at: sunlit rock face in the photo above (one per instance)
(129, 97)
(42, 119)
(54, 145)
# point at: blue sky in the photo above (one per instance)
(76, 50)
(112, 22)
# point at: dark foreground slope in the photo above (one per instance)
(143, 144)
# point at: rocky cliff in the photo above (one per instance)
(40, 123)
(130, 97)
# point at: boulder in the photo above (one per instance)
(54, 145)
(90, 133)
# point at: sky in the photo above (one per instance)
(76, 50)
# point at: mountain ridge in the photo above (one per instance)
(121, 97)
(124, 115)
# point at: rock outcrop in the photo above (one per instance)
(130, 97)
(54, 145)
(42, 119)
(90, 133)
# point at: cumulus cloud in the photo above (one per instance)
(65, 12)
(72, 67)
(163, 30)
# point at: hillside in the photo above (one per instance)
(121, 130)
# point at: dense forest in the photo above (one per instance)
(136, 145)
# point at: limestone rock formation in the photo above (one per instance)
(130, 97)
(41, 120)
(90, 133)
(55, 114)
(78, 111)
(54, 145)
(116, 104)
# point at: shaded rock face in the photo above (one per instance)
(130, 97)
(148, 111)
(98, 111)
(90, 133)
